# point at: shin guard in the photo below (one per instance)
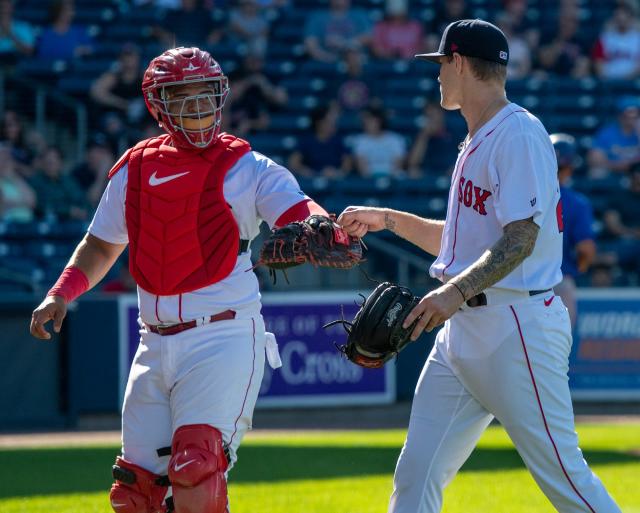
(137, 490)
(196, 470)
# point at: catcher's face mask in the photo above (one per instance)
(194, 110)
(185, 90)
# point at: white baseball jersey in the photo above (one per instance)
(506, 172)
(507, 359)
(258, 190)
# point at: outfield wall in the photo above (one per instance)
(83, 370)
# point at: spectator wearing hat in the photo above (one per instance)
(578, 244)
(616, 146)
(397, 36)
(118, 90)
(17, 38)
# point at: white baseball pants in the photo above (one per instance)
(509, 361)
(206, 375)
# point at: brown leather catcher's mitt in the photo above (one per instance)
(317, 239)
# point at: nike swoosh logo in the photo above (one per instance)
(178, 468)
(154, 180)
(548, 302)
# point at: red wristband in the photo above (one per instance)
(70, 285)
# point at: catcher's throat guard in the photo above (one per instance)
(376, 334)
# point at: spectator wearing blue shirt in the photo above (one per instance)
(329, 34)
(616, 146)
(62, 40)
(578, 247)
(321, 152)
(17, 38)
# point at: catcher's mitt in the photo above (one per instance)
(376, 333)
(317, 239)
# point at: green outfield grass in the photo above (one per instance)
(324, 472)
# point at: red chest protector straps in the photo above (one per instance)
(182, 233)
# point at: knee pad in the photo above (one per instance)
(196, 470)
(137, 490)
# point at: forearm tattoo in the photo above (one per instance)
(389, 223)
(516, 244)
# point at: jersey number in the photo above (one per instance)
(559, 216)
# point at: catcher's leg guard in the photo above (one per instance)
(196, 470)
(137, 490)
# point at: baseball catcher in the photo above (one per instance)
(376, 333)
(317, 239)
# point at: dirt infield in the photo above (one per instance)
(285, 422)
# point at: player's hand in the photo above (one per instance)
(53, 308)
(433, 309)
(357, 221)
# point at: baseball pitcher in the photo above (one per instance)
(504, 348)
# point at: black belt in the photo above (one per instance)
(244, 246)
(481, 299)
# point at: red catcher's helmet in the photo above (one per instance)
(181, 117)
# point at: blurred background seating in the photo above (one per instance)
(306, 76)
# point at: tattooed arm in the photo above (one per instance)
(514, 246)
(437, 306)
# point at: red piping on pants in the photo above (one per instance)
(246, 393)
(544, 418)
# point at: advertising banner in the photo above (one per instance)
(605, 358)
(313, 372)
(604, 361)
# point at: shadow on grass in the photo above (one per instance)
(30, 472)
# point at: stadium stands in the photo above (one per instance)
(34, 251)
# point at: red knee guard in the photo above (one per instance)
(137, 490)
(196, 470)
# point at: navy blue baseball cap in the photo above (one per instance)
(473, 38)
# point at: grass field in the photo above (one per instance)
(324, 472)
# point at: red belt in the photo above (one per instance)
(172, 329)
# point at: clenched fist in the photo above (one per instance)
(357, 221)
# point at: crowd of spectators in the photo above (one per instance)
(347, 133)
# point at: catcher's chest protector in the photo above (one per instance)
(182, 233)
